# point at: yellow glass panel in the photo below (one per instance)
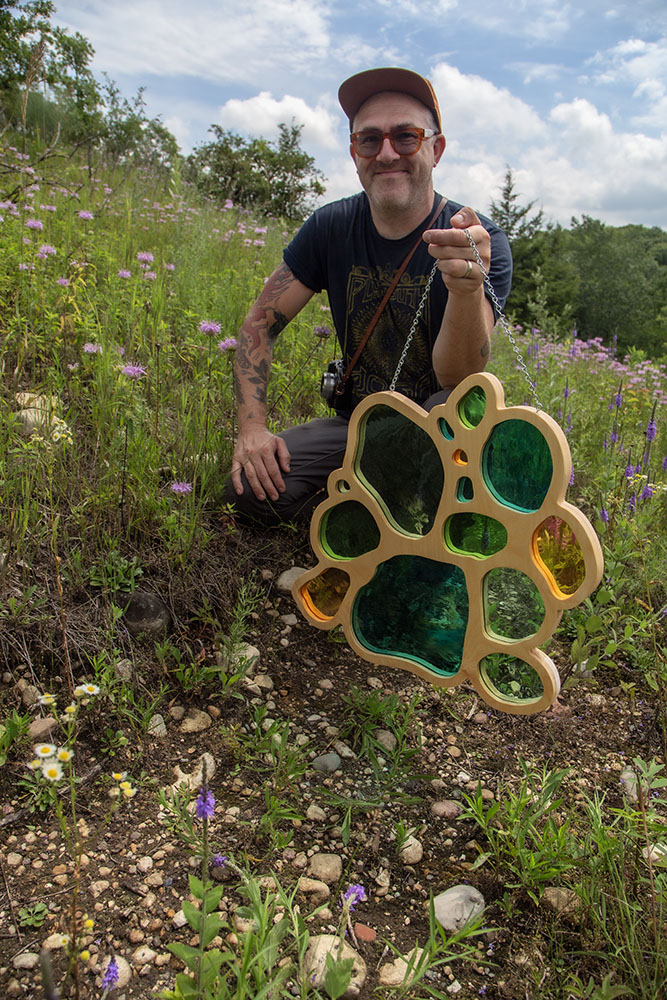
(559, 553)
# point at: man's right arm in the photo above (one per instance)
(261, 455)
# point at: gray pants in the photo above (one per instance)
(316, 449)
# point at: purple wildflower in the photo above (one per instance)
(651, 430)
(322, 331)
(229, 204)
(604, 515)
(220, 861)
(145, 257)
(133, 371)
(208, 326)
(47, 249)
(150, 276)
(176, 487)
(355, 894)
(111, 975)
(34, 224)
(629, 470)
(619, 395)
(664, 463)
(205, 805)
(170, 267)
(63, 282)
(566, 390)
(92, 349)
(228, 344)
(647, 492)
(124, 274)
(85, 214)
(572, 477)
(632, 503)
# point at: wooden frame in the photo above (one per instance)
(471, 437)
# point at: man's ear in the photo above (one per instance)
(439, 144)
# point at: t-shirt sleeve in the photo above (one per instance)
(304, 253)
(500, 271)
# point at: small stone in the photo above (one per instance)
(124, 670)
(55, 941)
(365, 933)
(13, 859)
(179, 919)
(145, 864)
(386, 739)
(195, 721)
(343, 750)
(124, 971)
(264, 682)
(480, 718)
(288, 578)
(30, 695)
(26, 961)
(563, 902)
(446, 808)
(319, 891)
(177, 712)
(98, 887)
(394, 973)
(326, 867)
(14, 988)
(146, 613)
(157, 727)
(629, 782)
(454, 752)
(40, 729)
(412, 851)
(315, 959)
(136, 935)
(316, 814)
(290, 620)
(143, 956)
(457, 906)
(327, 763)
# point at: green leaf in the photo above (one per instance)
(193, 916)
(594, 624)
(212, 924)
(213, 897)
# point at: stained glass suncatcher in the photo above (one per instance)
(446, 546)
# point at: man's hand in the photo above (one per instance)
(255, 454)
(456, 261)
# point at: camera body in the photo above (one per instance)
(330, 381)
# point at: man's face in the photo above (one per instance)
(391, 181)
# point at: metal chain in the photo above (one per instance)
(503, 321)
(501, 316)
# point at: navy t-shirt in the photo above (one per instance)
(339, 249)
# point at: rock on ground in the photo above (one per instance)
(315, 959)
(457, 906)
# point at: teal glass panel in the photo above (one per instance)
(513, 606)
(400, 465)
(472, 407)
(465, 490)
(445, 429)
(415, 608)
(517, 464)
(510, 678)
(348, 530)
(475, 535)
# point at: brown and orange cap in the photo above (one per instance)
(354, 91)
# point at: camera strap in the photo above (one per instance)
(340, 389)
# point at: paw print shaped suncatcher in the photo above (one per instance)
(446, 546)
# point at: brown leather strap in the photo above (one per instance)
(340, 389)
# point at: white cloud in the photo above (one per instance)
(261, 115)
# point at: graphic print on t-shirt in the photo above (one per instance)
(379, 358)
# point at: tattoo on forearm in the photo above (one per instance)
(278, 324)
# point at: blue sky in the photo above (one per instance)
(572, 97)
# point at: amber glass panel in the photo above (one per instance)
(348, 530)
(517, 464)
(415, 608)
(400, 465)
(324, 594)
(472, 406)
(475, 535)
(559, 551)
(510, 678)
(513, 606)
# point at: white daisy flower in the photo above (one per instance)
(52, 770)
(45, 750)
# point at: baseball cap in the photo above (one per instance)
(358, 88)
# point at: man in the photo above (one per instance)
(353, 248)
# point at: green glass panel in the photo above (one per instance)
(325, 592)
(510, 678)
(560, 552)
(513, 606)
(472, 407)
(415, 608)
(348, 530)
(517, 464)
(445, 429)
(400, 465)
(465, 490)
(475, 535)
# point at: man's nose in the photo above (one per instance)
(387, 152)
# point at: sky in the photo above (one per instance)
(572, 97)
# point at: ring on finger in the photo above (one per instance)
(468, 271)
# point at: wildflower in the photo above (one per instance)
(205, 805)
(26, 267)
(111, 975)
(353, 895)
(664, 463)
(52, 770)
(651, 430)
(48, 208)
(63, 282)
(84, 955)
(170, 267)
(64, 755)
(92, 348)
(208, 326)
(119, 775)
(47, 699)
(180, 487)
(130, 792)
(619, 396)
(145, 258)
(47, 250)
(647, 492)
(45, 750)
(629, 471)
(566, 390)
(133, 371)
(34, 224)
(632, 503)
(228, 344)
(150, 275)
(322, 331)
(220, 861)
(604, 515)
(124, 274)
(70, 709)
(572, 477)
(229, 204)
(86, 689)
(35, 764)
(125, 784)
(85, 214)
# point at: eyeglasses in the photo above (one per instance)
(404, 141)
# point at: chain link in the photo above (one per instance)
(501, 317)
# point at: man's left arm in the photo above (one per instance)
(463, 344)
